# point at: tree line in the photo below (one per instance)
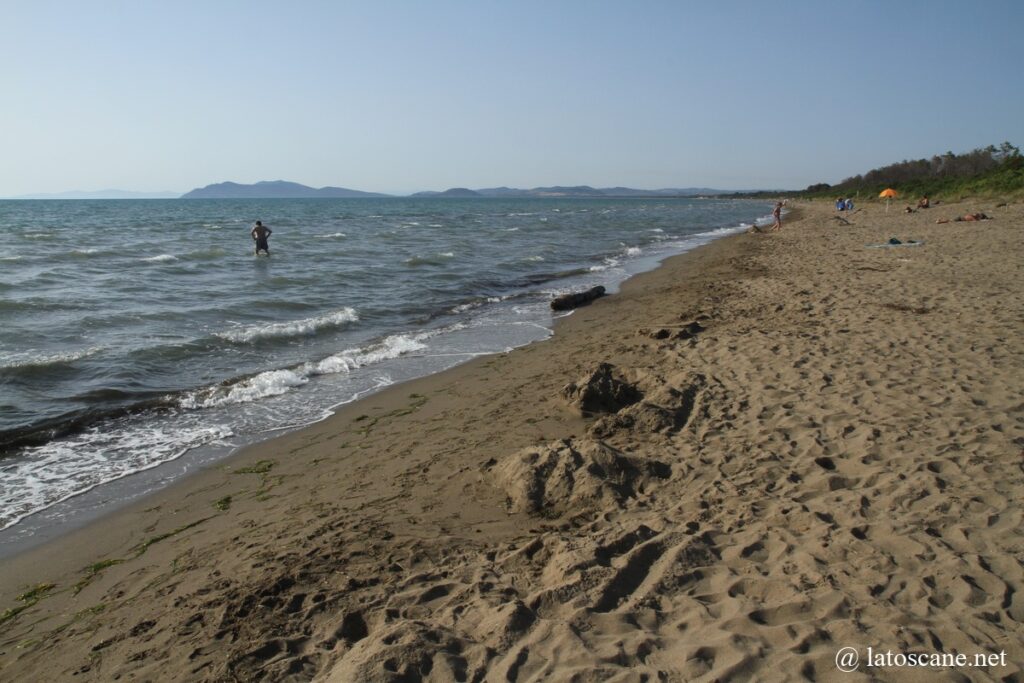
(942, 171)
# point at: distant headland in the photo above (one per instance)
(280, 189)
(283, 189)
(273, 189)
(573, 191)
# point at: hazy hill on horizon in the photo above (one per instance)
(282, 189)
(273, 189)
(570, 191)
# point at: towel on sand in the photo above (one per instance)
(893, 242)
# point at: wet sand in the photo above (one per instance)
(768, 449)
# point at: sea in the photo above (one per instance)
(142, 339)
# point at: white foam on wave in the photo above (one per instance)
(11, 258)
(609, 262)
(26, 360)
(391, 347)
(162, 258)
(43, 476)
(85, 252)
(292, 328)
(633, 251)
(277, 382)
(462, 308)
(721, 231)
(534, 258)
(429, 260)
(270, 383)
(335, 234)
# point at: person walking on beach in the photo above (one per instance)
(260, 233)
(777, 215)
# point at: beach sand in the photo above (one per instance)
(767, 450)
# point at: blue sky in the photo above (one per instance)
(398, 97)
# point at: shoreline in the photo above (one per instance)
(106, 524)
(815, 464)
(176, 384)
(86, 508)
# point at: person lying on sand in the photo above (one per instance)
(968, 217)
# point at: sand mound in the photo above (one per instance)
(572, 475)
(665, 408)
(603, 390)
(636, 400)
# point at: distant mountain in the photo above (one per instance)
(101, 194)
(281, 189)
(664, 192)
(451, 192)
(272, 189)
(556, 191)
(573, 191)
(502, 192)
(559, 191)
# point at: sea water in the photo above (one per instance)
(135, 332)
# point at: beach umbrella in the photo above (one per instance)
(888, 193)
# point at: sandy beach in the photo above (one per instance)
(767, 450)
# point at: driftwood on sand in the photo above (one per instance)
(567, 302)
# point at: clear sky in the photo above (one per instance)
(394, 96)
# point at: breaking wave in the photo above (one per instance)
(293, 328)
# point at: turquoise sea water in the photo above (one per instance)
(133, 332)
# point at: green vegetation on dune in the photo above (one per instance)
(989, 171)
(985, 172)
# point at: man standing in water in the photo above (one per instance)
(260, 233)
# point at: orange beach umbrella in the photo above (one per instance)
(888, 193)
